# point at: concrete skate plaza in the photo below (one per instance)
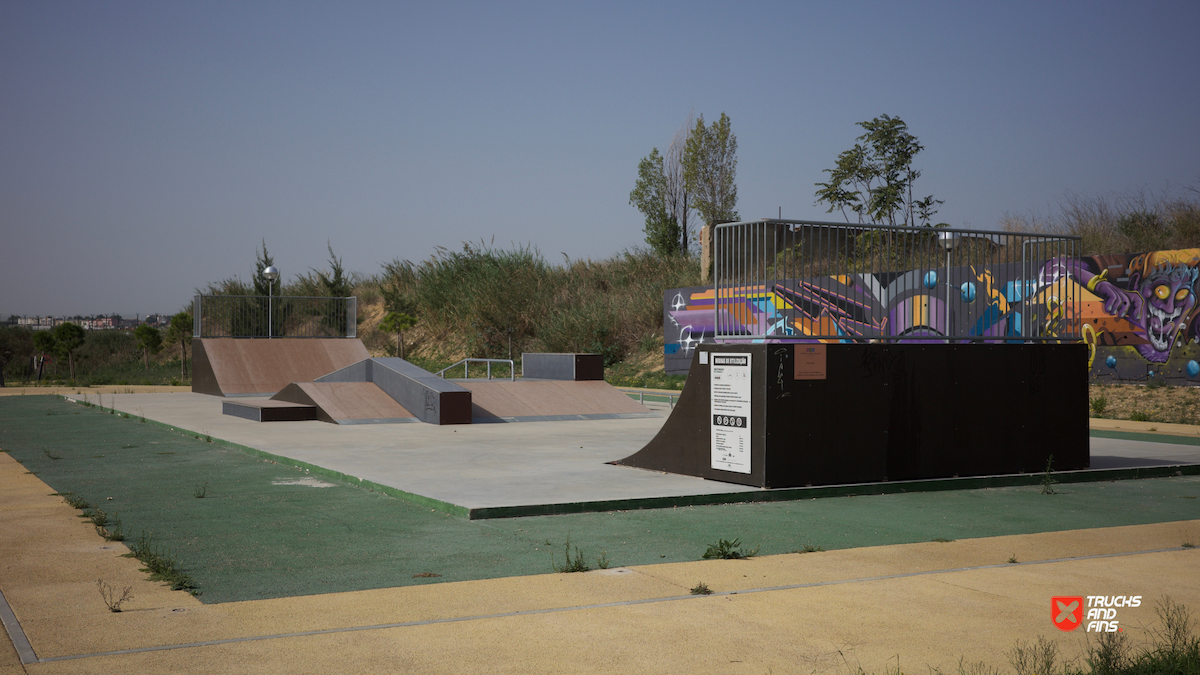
(525, 468)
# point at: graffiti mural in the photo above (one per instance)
(1137, 312)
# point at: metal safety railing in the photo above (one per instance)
(465, 363)
(256, 316)
(791, 280)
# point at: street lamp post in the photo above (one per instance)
(270, 274)
(949, 241)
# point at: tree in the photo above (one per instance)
(149, 339)
(335, 283)
(661, 194)
(68, 337)
(874, 179)
(649, 195)
(45, 344)
(709, 170)
(180, 331)
(16, 344)
(262, 260)
(398, 322)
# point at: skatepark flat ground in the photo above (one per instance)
(879, 607)
(481, 466)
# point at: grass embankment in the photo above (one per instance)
(486, 303)
(1145, 403)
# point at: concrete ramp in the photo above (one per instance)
(346, 402)
(260, 367)
(549, 400)
(429, 398)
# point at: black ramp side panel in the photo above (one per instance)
(683, 444)
(892, 412)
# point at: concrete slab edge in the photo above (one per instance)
(824, 491)
(15, 633)
(419, 500)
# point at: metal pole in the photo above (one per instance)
(270, 307)
(947, 296)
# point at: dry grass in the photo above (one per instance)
(1173, 405)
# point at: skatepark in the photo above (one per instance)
(873, 601)
(338, 512)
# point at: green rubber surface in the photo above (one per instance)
(266, 530)
(1149, 438)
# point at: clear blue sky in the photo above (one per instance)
(147, 148)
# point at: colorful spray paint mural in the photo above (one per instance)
(1138, 312)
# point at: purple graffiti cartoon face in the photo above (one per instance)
(1168, 297)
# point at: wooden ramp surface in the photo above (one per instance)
(346, 402)
(230, 367)
(532, 400)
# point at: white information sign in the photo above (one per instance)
(729, 375)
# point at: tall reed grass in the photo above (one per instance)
(474, 300)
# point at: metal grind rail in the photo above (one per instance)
(465, 363)
(643, 396)
(810, 281)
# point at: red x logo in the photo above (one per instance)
(1066, 612)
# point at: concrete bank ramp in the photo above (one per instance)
(259, 367)
(427, 397)
(549, 400)
(346, 402)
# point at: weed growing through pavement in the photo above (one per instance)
(111, 599)
(1036, 658)
(99, 518)
(941, 540)
(576, 564)
(1048, 480)
(74, 500)
(161, 565)
(728, 550)
(1013, 559)
(112, 530)
(809, 548)
(426, 575)
(602, 561)
(701, 589)
(200, 491)
(1110, 654)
